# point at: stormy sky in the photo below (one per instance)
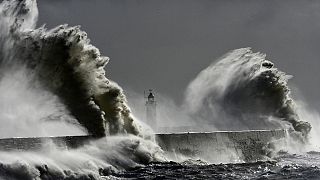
(164, 44)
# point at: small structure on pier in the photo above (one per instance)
(151, 111)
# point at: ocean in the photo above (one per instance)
(283, 166)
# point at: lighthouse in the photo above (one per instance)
(151, 112)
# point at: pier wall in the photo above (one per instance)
(209, 146)
(36, 143)
(221, 146)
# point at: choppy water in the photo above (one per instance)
(284, 166)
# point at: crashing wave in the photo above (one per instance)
(52, 82)
(243, 90)
(62, 61)
(95, 161)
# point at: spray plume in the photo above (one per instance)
(63, 62)
(243, 90)
(52, 82)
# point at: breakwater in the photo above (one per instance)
(214, 146)
(250, 145)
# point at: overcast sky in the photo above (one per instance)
(164, 44)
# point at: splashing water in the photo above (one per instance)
(62, 62)
(95, 160)
(243, 90)
(52, 82)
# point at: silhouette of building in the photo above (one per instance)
(151, 111)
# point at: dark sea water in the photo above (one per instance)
(284, 166)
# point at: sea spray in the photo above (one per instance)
(53, 83)
(95, 160)
(243, 90)
(295, 144)
(62, 61)
(27, 108)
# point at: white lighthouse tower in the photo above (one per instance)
(151, 111)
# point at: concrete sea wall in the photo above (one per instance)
(36, 143)
(209, 146)
(224, 146)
